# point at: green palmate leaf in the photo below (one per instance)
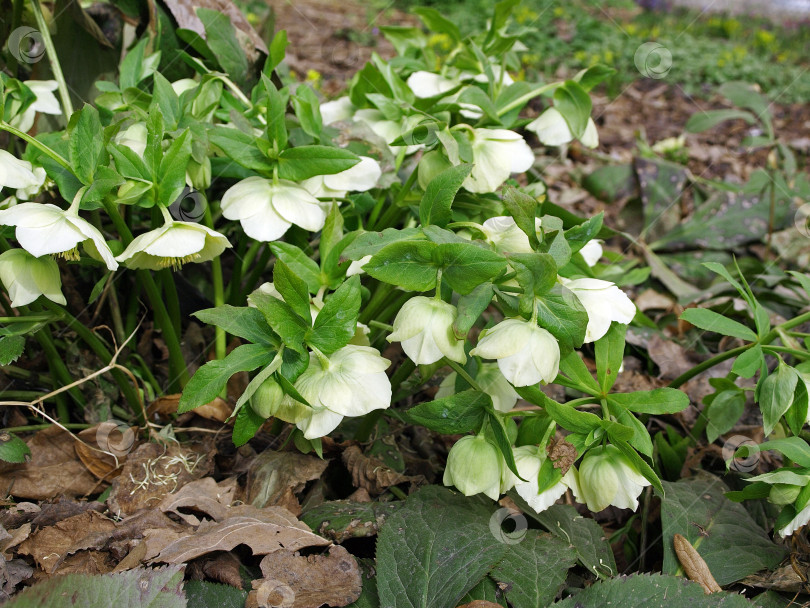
(439, 195)
(408, 264)
(85, 144)
(712, 321)
(292, 288)
(574, 368)
(748, 363)
(370, 243)
(657, 401)
(303, 162)
(582, 534)
(242, 321)
(283, 319)
(562, 314)
(11, 347)
(724, 412)
(220, 34)
(776, 395)
(466, 266)
(702, 121)
(246, 425)
(212, 377)
(435, 549)
(574, 103)
(652, 591)
(566, 416)
(470, 307)
(336, 323)
(533, 570)
(203, 593)
(697, 505)
(300, 263)
(459, 413)
(13, 449)
(137, 588)
(523, 209)
(240, 147)
(609, 355)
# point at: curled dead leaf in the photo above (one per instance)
(274, 478)
(561, 453)
(202, 496)
(371, 473)
(693, 565)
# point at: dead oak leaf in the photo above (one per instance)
(202, 496)
(371, 473)
(275, 477)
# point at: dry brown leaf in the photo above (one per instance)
(217, 410)
(14, 538)
(133, 559)
(105, 437)
(275, 477)
(53, 512)
(12, 573)
(561, 453)
(310, 581)
(222, 567)
(53, 470)
(51, 545)
(263, 530)
(693, 565)
(204, 496)
(86, 562)
(784, 579)
(154, 471)
(670, 357)
(373, 474)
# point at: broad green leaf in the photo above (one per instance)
(652, 591)
(794, 448)
(204, 593)
(211, 378)
(164, 97)
(12, 448)
(85, 143)
(439, 195)
(240, 147)
(277, 50)
(748, 363)
(724, 412)
(370, 243)
(502, 441)
(582, 534)
(339, 520)
(470, 307)
(609, 355)
(299, 262)
(562, 314)
(336, 322)
(574, 103)
(566, 416)
(407, 264)
(434, 549)
(11, 347)
(776, 395)
(136, 588)
(437, 23)
(697, 505)
(711, 321)
(593, 75)
(581, 234)
(242, 321)
(245, 426)
(307, 109)
(657, 401)
(172, 170)
(283, 319)
(276, 128)
(796, 416)
(533, 570)
(292, 289)
(466, 266)
(705, 120)
(536, 274)
(303, 162)
(523, 209)
(459, 413)
(639, 437)
(220, 34)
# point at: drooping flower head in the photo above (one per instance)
(529, 460)
(424, 327)
(26, 277)
(604, 303)
(552, 129)
(607, 477)
(497, 153)
(474, 466)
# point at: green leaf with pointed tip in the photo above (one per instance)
(439, 195)
(303, 162)
(408, 264)
(523, 209)
(562, 314)
(459, 413)
(470, 307)
(292, 289)
(712, 321)
(336, 322)
(85, 143)
(220, 34)
(657, 401)
(466, 266)
(291, 327)
(12, 448)
(609, 355)
(243, 321)
(776, 395)
(748, 363)
(574, 103)
(11, 347)
(299, 262)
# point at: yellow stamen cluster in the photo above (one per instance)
(177, 262)
(71, 255)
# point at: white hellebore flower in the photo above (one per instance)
(606, 477)
(266, 210)
(45, 103)
(591, 252)
(172, 245)
(801, 519)
(491, 381)
(528, 460)
(46, 229)
(349, 382)
(133, 137)
(26, 277)
(526, 353)
(497, 153)
(504, 234)
(424, 326)
(427, 84)
(604, 302)
(337, 110)
(552, 130)
(20, 174)
(359, 178)
(474, 466)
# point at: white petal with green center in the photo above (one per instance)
(26, 277)
(297, 206)
(424, 327)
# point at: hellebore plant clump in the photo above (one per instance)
(408, 212)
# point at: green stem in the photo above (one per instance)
(708, 364)
(394, 209)
(171, 298)
(74, 426)
(802, 354)
(379, 325)
(53, 58)
(60, 373)
(463, 373)
(221, 338)
(4, 126)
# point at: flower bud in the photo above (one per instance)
(198, 175)
(267, 398)
(783, 493)
(131, 191)
(424, 326)
(607, 477)
(474, 466)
